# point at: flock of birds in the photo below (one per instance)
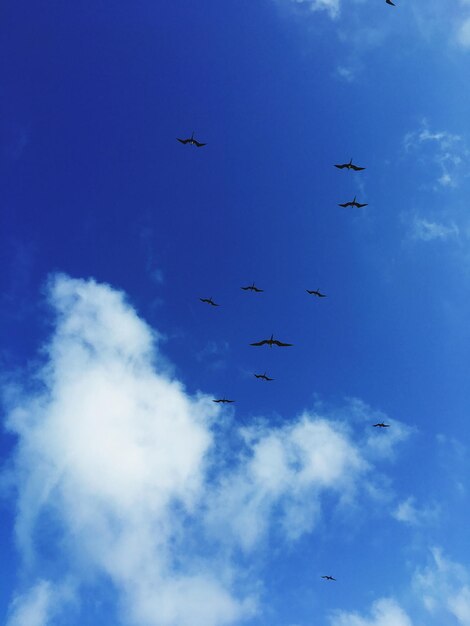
(315, 292)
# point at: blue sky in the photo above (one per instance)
(127, 496)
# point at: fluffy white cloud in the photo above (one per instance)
(39, 605)
(122, 462)
(384, 612)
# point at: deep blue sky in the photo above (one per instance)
(94, 184)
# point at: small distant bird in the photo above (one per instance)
(350, 165)
(329, 578)
(316, 292)
(191, 141)
(209, 301)
(263, 376)
(252, 288)
(223, 401)
(270, 342)
(390, 2)
(381, 425)
(353, 203)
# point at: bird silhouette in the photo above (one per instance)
(270, 342)
(209, 301)
(316, 292)
(252, 288)
(353, 203)
(263, 376)
(390, 2)
(223, 401)
(381, 425)
(350, 166)
(329, 578)
(192, 141)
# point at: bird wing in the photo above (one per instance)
(345, 204)
(203, 299)
(390, 2)
(267, 378)
(216, 400)
(340, 167)
(280, 343)
(359, 205)
(182, 140)
(259, 343)
(356, 168)
(245, 288)
(257, 290)
(199, 144)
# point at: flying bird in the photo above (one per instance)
(328, 578)
(350, 166)
(263, 376)
(390, 2)
(252, 288)
(223, 401)
(209, 301)
(353, 203)
(381, 425)
(191, 141)
(270, 342)
(316, 292)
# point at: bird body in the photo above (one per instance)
(381, 425)
(316, 292)
(209, 301)
(350, 166)
(270, 342)
(329, 578)
(252, 288)
(263, 377)
(191, 141)
(223, 401)
(353, 203)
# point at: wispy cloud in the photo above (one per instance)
(125, 465)
(384, 612)
(39, 605)
(426, 230)
(408, 512)
(331, 6)
(444, 153)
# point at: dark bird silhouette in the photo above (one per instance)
(353, 203)
(223, 401)
(270, 342)
(209, 301)
(252, 288)
(191, 141)
(329, 578)
(316, 292)
(350, 166)
(263, 376)
(390, 2)
(381, 425)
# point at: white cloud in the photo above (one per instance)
(384, 612)
(426, 230)
(331, 6)
(463, 33)
(408, 512)
(439, 149)
(38, 606)
(115, 455)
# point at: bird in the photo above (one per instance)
(390, 2)
(316, 292)
(329, 578)
(191, 141)
(353, 203)
(263, 376)
(270, 342)
(252, 288)
(350, 166)
(381, 425)
(223, 401)
(209, 301)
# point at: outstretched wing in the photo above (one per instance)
(199, 144)
(342, 166)
(217, 401)
(359, 205)
(390, 2)
(257, 290)
(259, 343)
(346, 204)
(245, 288)
(356, 168)
(280, 343)
(182, 140)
